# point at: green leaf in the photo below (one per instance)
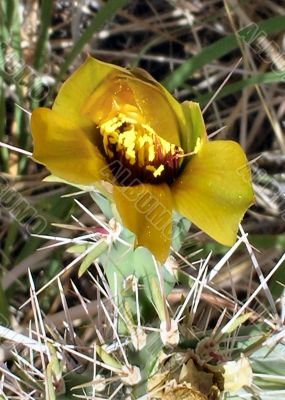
(4, 154)
(4, 308)
(107, 358)
(100, 247)
(119, 263)
(268, 241)
(268, 77)
(181, 228)
(220, 48)
(269, 360)
(46, 15)
(78, 248)
(146, 272)
(277, 282)
(237, 322)
(268, 363)
(56, 179)
(104, 204)
(146, 359)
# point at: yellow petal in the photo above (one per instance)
(76, 90)
(109, 98)
(80, 94)
(173, 103)
(195, 130)
(188, 114)
(146, 210)
(156, 109)
(215, 190)
(65, 149)
(122, 88)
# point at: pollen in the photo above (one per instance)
(137, 146)
(158, 171)
(197, 146)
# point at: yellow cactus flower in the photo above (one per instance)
(121, 126)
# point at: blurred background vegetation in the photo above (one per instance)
(231, 52)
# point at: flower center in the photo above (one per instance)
(136, 153)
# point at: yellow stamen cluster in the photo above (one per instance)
(137, 144)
